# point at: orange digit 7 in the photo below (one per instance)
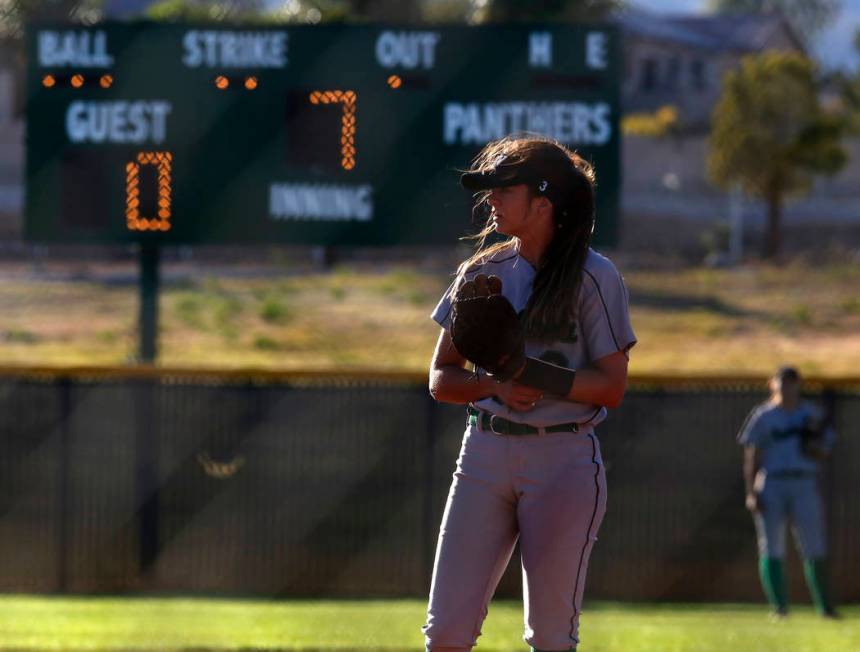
(347, 129)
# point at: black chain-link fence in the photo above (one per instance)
(293, 485)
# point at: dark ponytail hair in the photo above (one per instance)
(551, 309)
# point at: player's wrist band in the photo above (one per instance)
(547, 376)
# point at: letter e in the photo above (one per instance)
(595, 50)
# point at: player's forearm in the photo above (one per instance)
(597, 387)
(453, 384)
(750, 469)
(749, 478)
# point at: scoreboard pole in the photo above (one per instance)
(146, 439)
(148, 315)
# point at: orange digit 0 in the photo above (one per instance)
(160, 221)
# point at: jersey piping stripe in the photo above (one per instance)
(502, 260)
(592, 417)
(605, 309)
(750, 416)
(587, 534)
(493, 260)
(448, 291)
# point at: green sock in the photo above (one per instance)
(773, 582)
(815, 571)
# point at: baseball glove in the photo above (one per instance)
(485, 328)
(811, 437)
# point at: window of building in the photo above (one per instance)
(648, 81)
(697, 75)
(673, 72)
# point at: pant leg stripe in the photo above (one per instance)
(588, 532)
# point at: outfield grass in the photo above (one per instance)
(748, 319)
(150, 624)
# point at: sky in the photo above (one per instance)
(834, 48)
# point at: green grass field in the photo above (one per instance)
(150, 624)
(693, 320)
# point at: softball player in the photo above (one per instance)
(529, 467)
(781, 477)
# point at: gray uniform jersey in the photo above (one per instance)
(602, 328)
(776, 432)
(787, 482)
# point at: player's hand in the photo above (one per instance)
(521, 398)
(753, 503)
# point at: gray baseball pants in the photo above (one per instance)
(547, 491)
(796, 500)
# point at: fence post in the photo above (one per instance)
(148, 312)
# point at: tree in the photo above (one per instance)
(806, 17)
(448, 11)
(548, 10)
(850, 86)
(291, 11)
(399, 11)
(770, 135)
(205, 10)
(14, 14)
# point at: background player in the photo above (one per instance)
(530, 465)
(784, 441)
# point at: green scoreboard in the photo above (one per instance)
(338, 134)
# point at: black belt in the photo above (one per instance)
(792, 473)
(502, 426)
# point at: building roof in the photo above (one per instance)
(739, 31)
(715, 32)
(657, 26)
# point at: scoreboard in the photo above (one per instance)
(168, 133)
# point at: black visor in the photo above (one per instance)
(512, 174)
(503, 174)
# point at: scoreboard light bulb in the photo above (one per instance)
(106, 81)
(394, 81)
(221, 82)
(251, 83)
(48, 81)
(77, 81)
